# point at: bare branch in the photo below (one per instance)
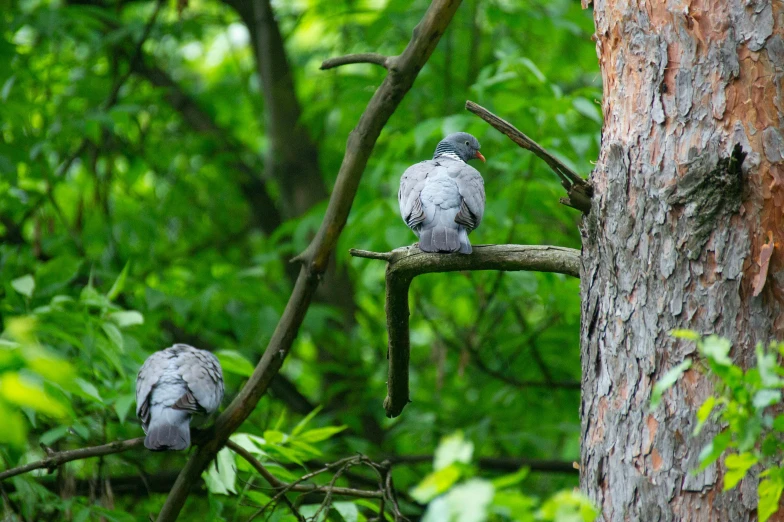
(408, 262)
(374, 58)
(57, 458)
(315, 259)
(386, 256)
(579, 189)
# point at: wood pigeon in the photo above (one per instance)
(173, 385)
(443, 199)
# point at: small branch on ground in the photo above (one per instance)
(578, 188)
(403, 264)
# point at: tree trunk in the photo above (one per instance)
(673, 240)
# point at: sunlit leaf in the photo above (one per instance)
(23, 392)
(234, 362)
(25, 285)
(127, 318)
(453, 448)
(221, 476)
(737, 466)
(436, 483)
(666, 382)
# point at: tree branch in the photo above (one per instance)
(374, 58)
(299, 488)
(579, 189)
(315, 259)
(403, 264)
(57, 458)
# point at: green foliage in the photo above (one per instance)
(124, 227)
(454, 493)
(750, 435)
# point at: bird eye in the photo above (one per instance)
(466, 143)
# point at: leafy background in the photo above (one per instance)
(124, 227)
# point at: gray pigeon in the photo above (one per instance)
(443, 199)
(172, 385)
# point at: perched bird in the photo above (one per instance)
(442, 200)
(173, 385)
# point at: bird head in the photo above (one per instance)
(462, 145)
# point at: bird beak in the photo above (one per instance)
(480, 157)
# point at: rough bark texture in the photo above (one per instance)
(674, 238)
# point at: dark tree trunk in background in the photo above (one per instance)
(673, 240)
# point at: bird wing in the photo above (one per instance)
(202, 374)
(149, 375)
(411, 185)
(472, 189)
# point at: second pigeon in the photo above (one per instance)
(173, 385)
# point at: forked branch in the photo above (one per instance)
(403, 264)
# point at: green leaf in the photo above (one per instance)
(469, 501)
(274, 436)
(568, 506)
(53, 435)
(769, 491)
(301, 424)
(126, 318)
(689, 335)
(114, 335)
(25, 285)
(234, 362)
(667, 381)
(347, 510)
(14, 432)
(713, 450)
(453, 448)
(703, 413)
(25, 393)
(221, 476)
(506, 481)
(767, 367)
(319, 434)
(436, 483)
(122, 406)
(587, 109)
(87, 389)
(764, 398)
(716, 349)
(119, 283)
(737, 466)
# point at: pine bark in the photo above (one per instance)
(688, 191)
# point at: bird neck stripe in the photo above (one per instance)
(445, 149)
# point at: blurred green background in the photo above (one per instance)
(153, 194)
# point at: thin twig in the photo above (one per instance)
(374, 58)
(60, 457)
(385, 256)
(579, 189)
(269, 477)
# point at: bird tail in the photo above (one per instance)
(465, 244)
(443, 234)
(439, 238)
(169, 430)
